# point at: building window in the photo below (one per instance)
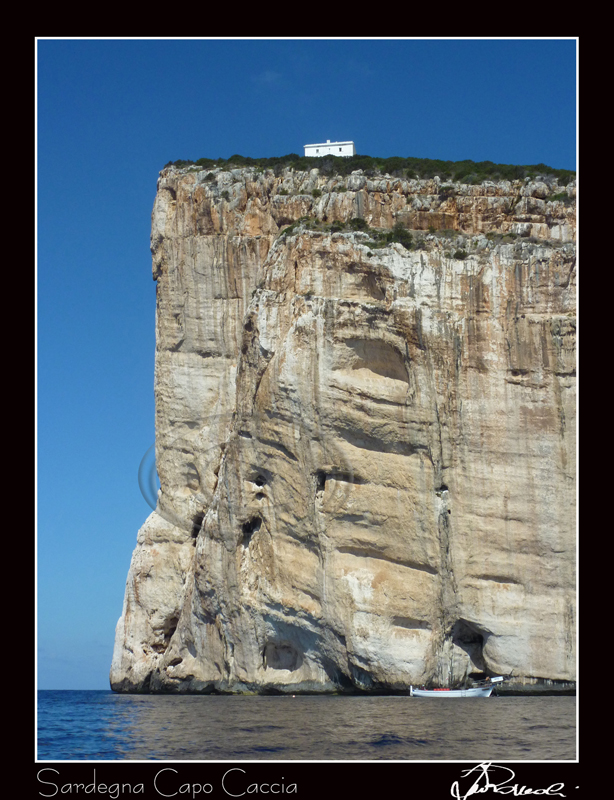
(339, 149)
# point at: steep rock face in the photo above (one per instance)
(366, 454)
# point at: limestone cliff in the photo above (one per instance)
(366, 453)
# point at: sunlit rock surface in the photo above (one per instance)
(366, 454)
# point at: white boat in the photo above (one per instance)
(482, 690)
(475, 691)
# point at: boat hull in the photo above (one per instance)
(477, 691)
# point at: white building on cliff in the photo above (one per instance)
(330, 149)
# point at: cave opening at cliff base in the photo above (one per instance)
(467, 637)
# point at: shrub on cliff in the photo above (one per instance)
(446, 191)
(562, 197)
(401, 235)
(179, 163)
(398, 234)
(240, 161)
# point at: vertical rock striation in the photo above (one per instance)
(366, 454)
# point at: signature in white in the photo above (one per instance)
(481, 775)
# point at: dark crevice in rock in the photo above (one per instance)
(371, 552)
(410, 623)
(320, 477)
(249, 528)
(279, 446)
(197, 523)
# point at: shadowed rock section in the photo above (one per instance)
(366, 454)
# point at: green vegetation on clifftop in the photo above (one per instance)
(468, 172)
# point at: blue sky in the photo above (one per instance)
(110, 115)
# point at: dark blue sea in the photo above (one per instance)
(156, 746)
(104, 726)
